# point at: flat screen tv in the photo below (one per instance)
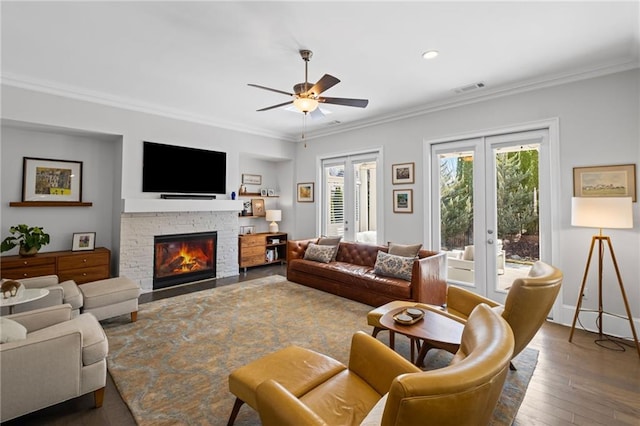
(179, 169)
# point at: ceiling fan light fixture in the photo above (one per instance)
(305, 105)
(430, 54)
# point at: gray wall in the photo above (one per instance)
(98, 155)
(599, 124)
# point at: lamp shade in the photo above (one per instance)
(274, 215)
(602, 212)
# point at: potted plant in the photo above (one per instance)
(29, 238)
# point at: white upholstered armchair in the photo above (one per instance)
(59, 293)
(47, 357)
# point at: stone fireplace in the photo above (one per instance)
(182, 258)
(139, 227)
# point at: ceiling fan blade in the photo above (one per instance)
(326, 82)
(360, 103)
(275, 106)
(270, 89)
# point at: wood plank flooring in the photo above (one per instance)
(574, 383)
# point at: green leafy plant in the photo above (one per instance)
(27, 237)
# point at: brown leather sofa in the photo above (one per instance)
(352, 275)
(378, 388)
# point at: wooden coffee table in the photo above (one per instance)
(435, 330)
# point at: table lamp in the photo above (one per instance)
(602, 212)
(273, 216)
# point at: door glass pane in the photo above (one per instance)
(334, 217)
(517, 198)
(365, 202)
(456, 214)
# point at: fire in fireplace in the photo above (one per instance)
(181, 258)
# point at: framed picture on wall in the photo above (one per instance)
(403, 200)
(257, 206)
(48, 180)
(402, 173)
(251, 179)
(83, 241)
(605, 181)
(305, 192)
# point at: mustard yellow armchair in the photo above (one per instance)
(526, 307)
(463, 393)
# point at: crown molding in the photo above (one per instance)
(73, 92)
(484, 95)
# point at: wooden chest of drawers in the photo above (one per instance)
(82, 267)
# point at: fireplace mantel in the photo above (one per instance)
(151, 205)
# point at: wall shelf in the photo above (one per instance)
(49, 204)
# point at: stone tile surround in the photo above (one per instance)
(138, 229)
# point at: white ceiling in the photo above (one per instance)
(193, 60)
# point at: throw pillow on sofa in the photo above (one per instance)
(330, 241)
(11, 331)
(320, 253)
(406, 250)
(390, 265)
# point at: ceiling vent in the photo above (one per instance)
(469, 87)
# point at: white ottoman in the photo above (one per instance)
(111, 297)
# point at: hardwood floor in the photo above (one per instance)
(574, 383)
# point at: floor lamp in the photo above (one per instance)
(602, 212)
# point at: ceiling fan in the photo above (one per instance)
(306, 97)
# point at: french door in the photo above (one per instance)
(490, 208)
(350, 203)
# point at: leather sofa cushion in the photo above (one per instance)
(358, 276)
(297, 369)
(344, 400)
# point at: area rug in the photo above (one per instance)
(172, 365)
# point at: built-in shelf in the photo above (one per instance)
(256, 194)
(49, 204)
(150, 205)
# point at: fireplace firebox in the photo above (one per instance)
(182, 258)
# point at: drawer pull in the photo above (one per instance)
(84, 274)
(25, 262)
(25, 275)
(84, 260)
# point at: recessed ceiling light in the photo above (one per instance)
(430, 54)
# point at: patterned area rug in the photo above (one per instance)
(172, 365)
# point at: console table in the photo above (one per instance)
(261, 249)
(80, 266)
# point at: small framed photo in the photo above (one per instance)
(605, 181)
(305, 192)
(403, 200)
(271, 192)
(263, 192)
(51, 180)
(402, 173)
(251, 179)
(83, 241)
(257, 207)
(246, 207)
(246, 230)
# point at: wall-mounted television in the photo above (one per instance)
(183, 170)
